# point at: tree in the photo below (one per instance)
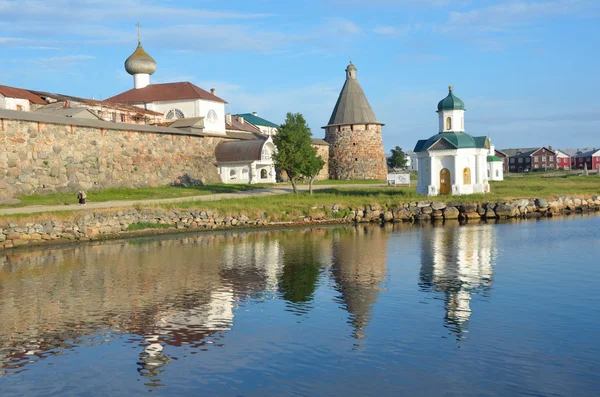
(398, 159)
(295, 154)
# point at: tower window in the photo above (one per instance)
(356, 159)
(448, 123)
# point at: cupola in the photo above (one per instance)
(140, 65)
(451, 102)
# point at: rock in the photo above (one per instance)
(468, 208)
(423, 217)
(425, 203)
(472, 216)
(490, 214)
(388, 216)
(436, 205)
(481, 211)
(13, 236)
(541, 203)
(426, 210)
(522, 203)
(451, 213)
(10, 201)
(505, 211)
(577, 202)
(403, 215)
(437, 214)
(234, 222)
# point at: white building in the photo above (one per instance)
(266, 127)
(246, 161)
(174, 100)
(13, 98)
(452, 161)
(412, 163)
(495, 164)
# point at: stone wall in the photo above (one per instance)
(96, 225)
(323, 152)
(356, 152)
(41, 158)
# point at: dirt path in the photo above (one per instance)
(272, 191)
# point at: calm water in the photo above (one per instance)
(489, 309)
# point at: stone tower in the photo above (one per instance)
(354, 135)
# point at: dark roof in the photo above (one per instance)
(244, 135)
(589, 153)
(451, 140)
(254, 119)
(318, 141)
(237, 125)
(513, 152)
(352, 106)
(249, 150)
(451, 102)
(14, 92)
(165, 92)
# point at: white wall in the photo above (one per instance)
(458, 118)
(12, 103)
(194, 108)
(495, 171)
(252, 175)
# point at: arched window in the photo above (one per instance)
(174, 114)
(212, 116)
(497, 173)
(245, 173)
(232, 174)
(263, 174)
(448, 123)
(467, 176)
(266, 154)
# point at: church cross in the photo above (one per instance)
(139, 26)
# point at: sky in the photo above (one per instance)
(528, 71)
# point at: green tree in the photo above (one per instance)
(295, 154)
(398, 159)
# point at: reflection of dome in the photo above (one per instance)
(451, 102)
(140, 62)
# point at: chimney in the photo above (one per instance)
(65, 104)
(228, 118)
(254, 114)
(212, 91)
(241, 119)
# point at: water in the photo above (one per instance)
(488, 309)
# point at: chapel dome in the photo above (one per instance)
(451, 102)
(140, 62)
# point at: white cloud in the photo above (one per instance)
(341, 27)
(63, 62)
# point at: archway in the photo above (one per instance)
(445, 181)
(467, 176)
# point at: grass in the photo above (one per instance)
(148, 193)
(351, 182)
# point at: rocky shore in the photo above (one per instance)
(118, 224)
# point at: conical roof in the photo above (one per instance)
(352, 106)
(140, 62)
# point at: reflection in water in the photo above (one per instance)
(359, 266)
(458, 261)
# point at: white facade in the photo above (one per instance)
(212, 111)
(495, 165)
(466, 168)
(14, 104)
(250, 171)
(141, 80)
(451, 120)
(266, 130)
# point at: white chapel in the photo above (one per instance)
(452, 161)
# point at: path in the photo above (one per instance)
(272, 191)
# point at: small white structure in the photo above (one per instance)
(246, 161)
(495, 164)
(452, 161)
(397, 179)
(411, 161)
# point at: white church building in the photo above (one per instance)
(452, 161)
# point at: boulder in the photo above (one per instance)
(426, 210)
(451, 213)
(490, 214)
(403, 215)
(388, 216)
(466, 208)
(437, 214)
(423, 217)
(425, 203)
(541, 203)
(521, 202)
(506, 211)
(436, 205)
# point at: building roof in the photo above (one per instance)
(494, 158)
(590, 153)
(450, 141)
(165, 92)
(352, 106)
(197, 122)
(254, 119)
(69, 112)
(14, 92)
(522, 151)
(319, 142)
(140, 62)
(232, 151)
(451, 102)
(237, 125)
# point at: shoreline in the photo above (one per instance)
(114, 224)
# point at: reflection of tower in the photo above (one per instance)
(458, 261)
(152, 361)
(359, 266)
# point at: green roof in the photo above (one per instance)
(451, 102)
(493, 158)
(450, 141)
(253, 119)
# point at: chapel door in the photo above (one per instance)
(445, 181)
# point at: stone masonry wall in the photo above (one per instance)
(115, 223)
(356, 152)
(38, 158)
(323, 152)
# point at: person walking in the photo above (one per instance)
(81, 196)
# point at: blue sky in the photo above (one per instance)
(528, 71)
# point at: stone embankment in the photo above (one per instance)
(117, 224)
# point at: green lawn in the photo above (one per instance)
(149, 193)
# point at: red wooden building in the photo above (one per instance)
(590, 157)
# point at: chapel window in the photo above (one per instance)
(448, 123)
(266, 154)
(232, 174)
(467, 176)
(263, 174)
(174, 114)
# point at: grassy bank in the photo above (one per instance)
(149, 193)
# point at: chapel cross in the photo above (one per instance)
(139, 26)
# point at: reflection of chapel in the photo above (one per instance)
(452, 161)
